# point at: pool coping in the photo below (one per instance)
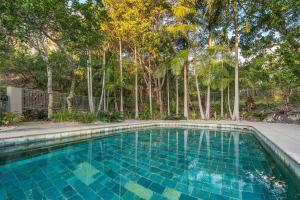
(107, 129)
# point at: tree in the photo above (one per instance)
(266, 23)
(183, 11)
(176, 67)
(236, 112)
(196, 65)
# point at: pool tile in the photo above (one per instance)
(119, 190)
(76, 197)
(144, 182)
(186, 197)
(157, 188)
(52, 193)
(139, 190)
(106, 194)
(68, 191)
(103, 168)
(171, 194)
(130, 196)
(85, 173)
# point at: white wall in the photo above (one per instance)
(15, 98)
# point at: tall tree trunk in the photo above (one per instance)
(121, 76)
(208, 86)
(222, 102)
(71, 93)
(236, 113)
(136, 85)
(177, 98)
(222, 91)
(161, 108)
(49, 82)
(168, 93)
(71, 63)
(185, 101)
(150, 88)
(103, 81)
(104, 101)
(207, 115)
(199, 98)
(90, 82)
(201, 113)
(228, 101)
(116, 103)
(107, 100)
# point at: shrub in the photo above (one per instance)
(254, 114)
(174, 117)
(62, 116)
(110, 117)
(30, 115)
(145, 114)
(11, 118)
(84, 117)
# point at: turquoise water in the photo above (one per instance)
(157, 163)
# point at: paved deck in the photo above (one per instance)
(285, 136)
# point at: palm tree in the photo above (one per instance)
(176, 67)
(196, 65)
(183, 11)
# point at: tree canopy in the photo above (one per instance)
(130, 52)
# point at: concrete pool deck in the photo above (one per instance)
(284, 139)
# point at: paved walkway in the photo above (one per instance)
(285, 136)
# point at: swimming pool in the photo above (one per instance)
(153, 163)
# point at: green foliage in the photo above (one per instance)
(164, 33)
(178, 61)
(145, 113)
(86, 117)
(260, 116)
(11, 118)
(35, 115)
(268, 23)
(62, 116)
(110, 116)
(174, 117)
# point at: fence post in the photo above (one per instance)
(15, 99)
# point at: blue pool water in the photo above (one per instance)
(156, 163)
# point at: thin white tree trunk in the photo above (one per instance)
(150, 88)
(236, 113)
(228, 101)
(49, 84)
(185, 101)
(199, 98)
(210, 40)
(222, 91)
(103, 81)
(208, 103)
(104, 101)
(222, 102)
(136, 85)
(90, 82)
(121, 76)
(168, 93)
(161, 108)
(71, 93)
(107, 101)
(177, 98)
(116, 103)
